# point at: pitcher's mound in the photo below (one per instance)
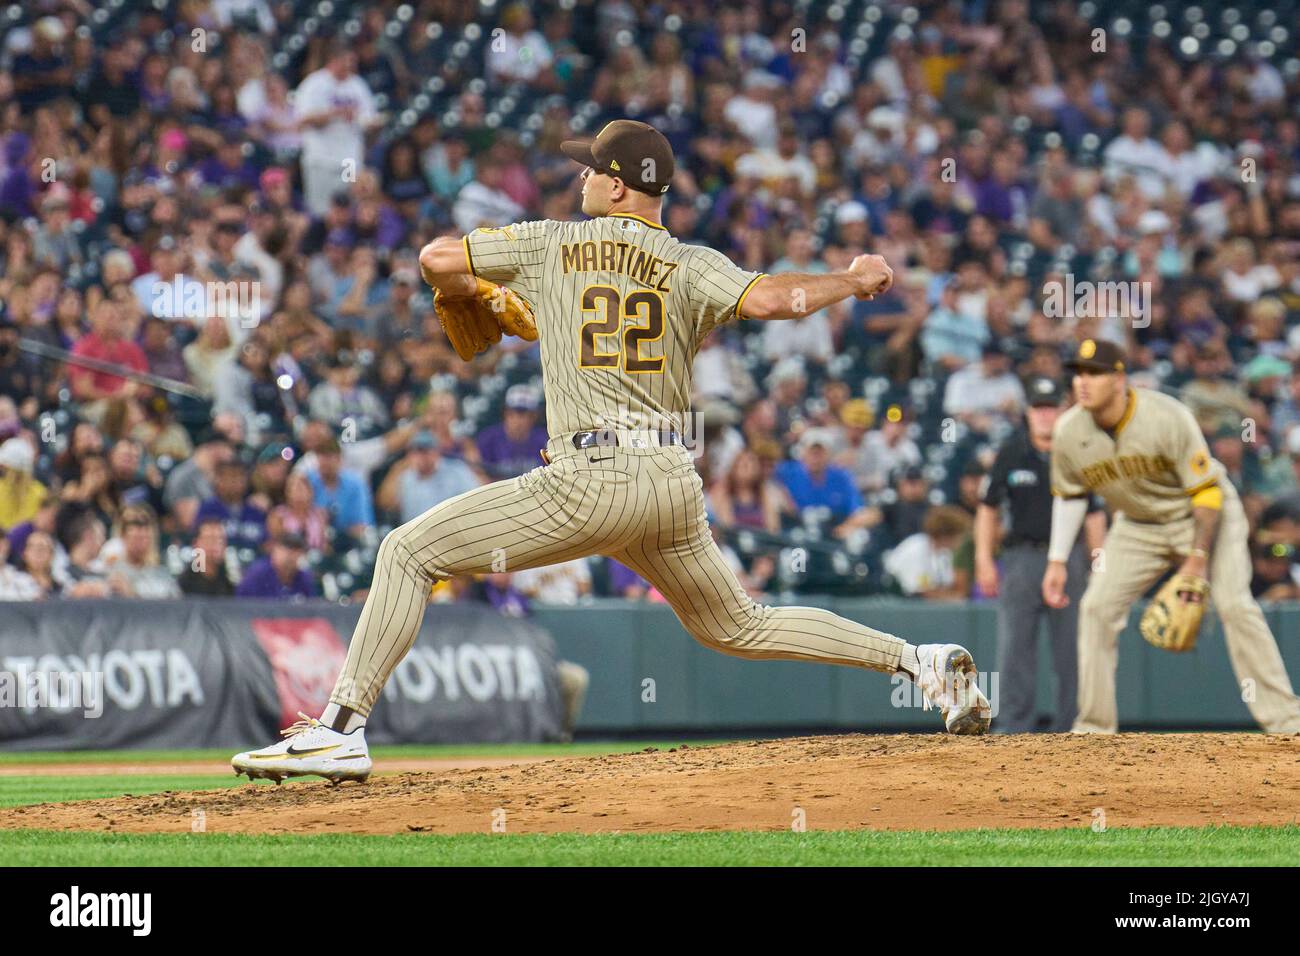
(884, 782)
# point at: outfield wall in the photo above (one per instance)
(624, 645)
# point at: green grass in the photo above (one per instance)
(57, 788)
(583, 749)
(1156, 846)
(18, 791)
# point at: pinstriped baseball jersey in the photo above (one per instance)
(622, 308)
(1148, 466)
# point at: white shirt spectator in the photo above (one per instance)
(768, 165)
(479, 205)
(754, 119)
(969, 390)
(246, 11)
(16, 585)
(341, 138)
(1143, 159)
(511, 57)
(918, 566)
(1249, 286)
(809, 337)
(561, 583)
(1266, 84)
(877, 460)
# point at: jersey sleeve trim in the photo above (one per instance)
(469, 257)
(741, 303)
(1203, 486)
(1057, 493)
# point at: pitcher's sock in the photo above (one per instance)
(343, 719)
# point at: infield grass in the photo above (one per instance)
(1155, 846)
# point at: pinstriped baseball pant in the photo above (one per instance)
(643, 507)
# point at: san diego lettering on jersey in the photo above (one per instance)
(625, 258)
(1126, 466)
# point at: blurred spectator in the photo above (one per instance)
(809, 337)
(106, 342)
(245, 523)
(334, 109)
(21, 495)
(424, 478)
(922, 564)
(519, 53)
(15, 583)
(131, 558)
(37, 578)
(83, 536)
(341, 492)
(207, 574)
(885, 451)
(745, 498)
(511, 447)
(563, 583)
(300, 514)
(813, 482)
(904, 515)
(985, 392)
(279, 573)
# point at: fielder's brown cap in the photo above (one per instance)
(634, 152)
(1097, 355)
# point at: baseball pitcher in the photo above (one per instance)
(1144, 453)
(620, 308)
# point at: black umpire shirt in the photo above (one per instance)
(1020, 478)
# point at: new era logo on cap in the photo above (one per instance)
(634, 152)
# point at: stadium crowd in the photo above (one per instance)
(302, 153)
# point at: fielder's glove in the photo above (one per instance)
(1173, 618)
(477, 321)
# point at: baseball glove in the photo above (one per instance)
(1173, 618)
(477, 321)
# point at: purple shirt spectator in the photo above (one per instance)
(621, 577)
(261, 580)
(245, 526)
(511, 447)
(504, 457)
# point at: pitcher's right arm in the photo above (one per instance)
(792, 295)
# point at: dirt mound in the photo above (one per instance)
(883, 782)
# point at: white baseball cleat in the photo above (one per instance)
(309, 748)
(948, 681)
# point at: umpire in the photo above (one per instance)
(1020, 480)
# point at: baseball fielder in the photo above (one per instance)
(621, 309)
(1144, 453)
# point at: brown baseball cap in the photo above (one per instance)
(634, 152)
(1097, 355)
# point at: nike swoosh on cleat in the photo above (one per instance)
(311, 751)
(294, 753)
